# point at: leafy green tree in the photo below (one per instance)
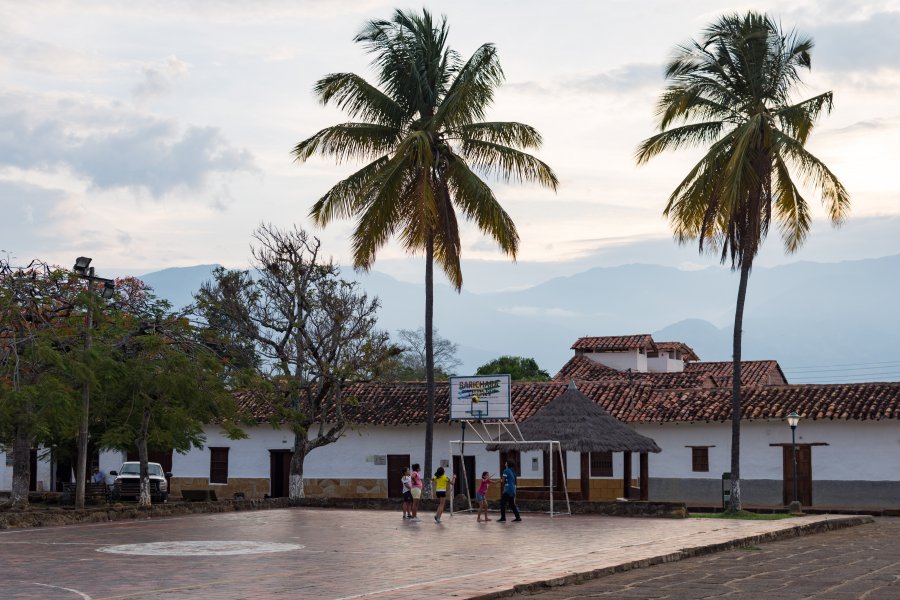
(422, 128)
(733, 90)
(159, 383)
(313, 332)
(38, 338)
(518, 368)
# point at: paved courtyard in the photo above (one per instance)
(848, 564)
(321, 553)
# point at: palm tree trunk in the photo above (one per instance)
(429, 361)
(735, 502)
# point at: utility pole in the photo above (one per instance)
(84, 271)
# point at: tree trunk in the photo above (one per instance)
(21, 467)
(145, 500)
(429, 363)
(296, 489)
(735, 502)
(82, 466)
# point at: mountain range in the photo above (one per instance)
(823, 322)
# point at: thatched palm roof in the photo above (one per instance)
(578, 425)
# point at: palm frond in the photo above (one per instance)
(479, 204)
(791, 209)
(344, 198)
(360, 99)
(348, 141)
(835, 197)
(513, 134)
(471, 92)
(507, 163)
(798, 119)
(380, 209)
(672, 139)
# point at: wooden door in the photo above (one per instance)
(279, 473)
(513, 456)
(557, 470)
(32, 481)
(804, 474)
(470, 475)
(395, 465)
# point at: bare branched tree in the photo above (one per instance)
(311, 331)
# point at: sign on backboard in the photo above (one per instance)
(480, 398)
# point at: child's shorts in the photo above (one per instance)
(416, 493)
(479, 498)
(407, 496)
(441, 494)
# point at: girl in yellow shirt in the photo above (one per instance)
(441, 483)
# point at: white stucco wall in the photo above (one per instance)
(856, 451)
(664, 364)
(633, 360)
(44, 475)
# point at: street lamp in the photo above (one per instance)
(84, 270)
(793, 419)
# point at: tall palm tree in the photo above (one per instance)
(733, 90)
(422, 129)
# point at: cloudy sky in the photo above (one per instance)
(158, 133)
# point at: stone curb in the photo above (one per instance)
(772, 536)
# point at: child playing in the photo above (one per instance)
(406, 480)
(416, 490)
(481, 496)
(441, 481)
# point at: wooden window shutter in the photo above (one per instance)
(218, 465)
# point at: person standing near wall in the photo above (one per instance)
(509, 492)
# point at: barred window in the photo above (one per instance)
(601, 464)
(700, 459)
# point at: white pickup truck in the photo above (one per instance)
(128, 481)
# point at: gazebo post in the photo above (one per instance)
(645, 478)
(626, 476)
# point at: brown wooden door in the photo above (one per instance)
(557, 470)
(804, 474)
(33, 464)
(585, 475)
(279, 473)
(395, 465)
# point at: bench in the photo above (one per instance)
(91, 490)
(199, 495)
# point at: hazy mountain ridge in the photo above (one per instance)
(799, 314)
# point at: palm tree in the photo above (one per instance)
(422, 129)
(733, 90)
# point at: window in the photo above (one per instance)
(218, 465)
(700, 458)
(601, 464)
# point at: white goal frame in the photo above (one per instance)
(511, 428)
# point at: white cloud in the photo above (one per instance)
(159, 78)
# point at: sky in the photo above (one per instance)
(158, 134)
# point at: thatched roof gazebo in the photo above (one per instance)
(580, 425)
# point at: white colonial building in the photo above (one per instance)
(848, 441)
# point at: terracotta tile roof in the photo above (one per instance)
(632, 402)
(615, 343)
(753, 372)
(583, 368)
(857, 401)
(687, 353)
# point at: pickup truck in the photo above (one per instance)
(127, 484)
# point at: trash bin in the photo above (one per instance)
(726, 490)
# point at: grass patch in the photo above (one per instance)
(745, 515)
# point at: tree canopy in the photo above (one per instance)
(518, 368)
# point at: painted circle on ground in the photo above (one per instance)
(200, 548)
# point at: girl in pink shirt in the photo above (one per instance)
(481, 495)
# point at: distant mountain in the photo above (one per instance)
(827, 322)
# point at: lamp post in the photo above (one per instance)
(83, 270)
(793, 419)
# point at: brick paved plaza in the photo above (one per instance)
(848, 564)
(339, 554)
